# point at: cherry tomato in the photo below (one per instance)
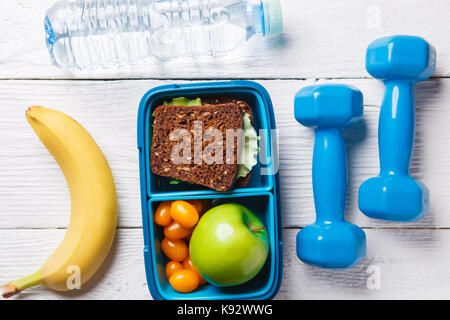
(172, 267)
(162, 214)
(176, 250)
(184, 281)
(184, 213)
(197, 204)
(187, 264)
(174, 231)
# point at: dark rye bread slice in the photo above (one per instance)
(245, 108)
(219, 177)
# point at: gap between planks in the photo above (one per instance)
(284, 228)
(199, 79)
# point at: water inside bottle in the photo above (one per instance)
(92, 33)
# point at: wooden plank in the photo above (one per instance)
(409, 264)
(405, 260)
(33, 191)
(122, 275)
(324, 38)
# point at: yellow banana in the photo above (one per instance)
(93, 198)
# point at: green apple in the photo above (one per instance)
(229, 245)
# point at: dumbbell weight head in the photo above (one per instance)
(321, 106)
(337, 245)
(401, 58)
(398, 198)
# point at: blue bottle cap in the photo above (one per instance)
(273, 17)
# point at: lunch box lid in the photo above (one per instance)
(144, 108)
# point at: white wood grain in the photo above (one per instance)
(33, 191)
(122, 275)
(413, 264)
(324, 38)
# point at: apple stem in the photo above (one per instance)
(259, 228)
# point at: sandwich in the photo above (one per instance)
(191, 142)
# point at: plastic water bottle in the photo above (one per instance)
(101, 33)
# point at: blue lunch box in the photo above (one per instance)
(261, 195)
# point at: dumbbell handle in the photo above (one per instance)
(329, 175)
(396, 127)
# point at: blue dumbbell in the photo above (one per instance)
(330, 242)
(400, 62)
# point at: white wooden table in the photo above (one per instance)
(323, 41)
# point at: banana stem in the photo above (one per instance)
(9, 290)
(14, 287)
